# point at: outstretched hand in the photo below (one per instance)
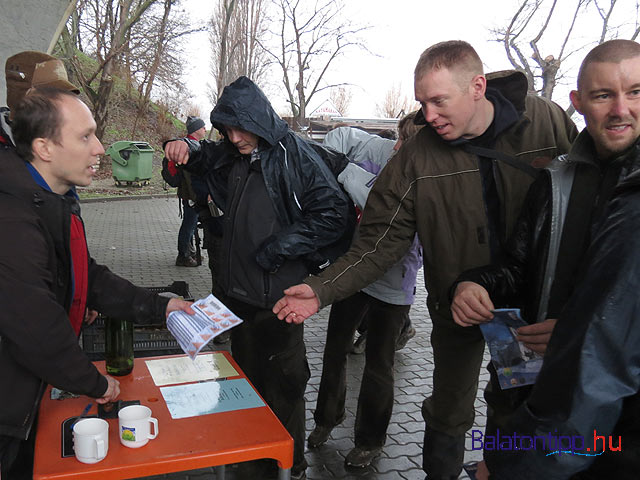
(471, 305)
(298, 304)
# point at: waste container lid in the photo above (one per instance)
(129, 145)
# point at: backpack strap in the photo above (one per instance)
(502, 157)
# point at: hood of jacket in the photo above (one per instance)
(243, 105)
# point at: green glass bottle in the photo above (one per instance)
(118, 346)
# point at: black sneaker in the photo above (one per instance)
(186, 261)
(320, 434)
(405, 335)
(360, 457)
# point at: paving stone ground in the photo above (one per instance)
(138, 240)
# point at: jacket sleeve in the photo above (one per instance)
(323, 212)
(592, 363)
(114, 296)
(34, 328)
(386, 231)
(506, 279)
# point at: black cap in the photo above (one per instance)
(193, 124)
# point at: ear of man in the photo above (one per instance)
(41, 148)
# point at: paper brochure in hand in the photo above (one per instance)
(515, 364)
(193, 332)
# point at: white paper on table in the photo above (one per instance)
(193, 332)
(208, 366)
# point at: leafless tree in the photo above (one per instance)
(155, 58)
(530, 30)
(341, 98)
(310, 37)
(395, 104)
(107, 28)
(237, 29)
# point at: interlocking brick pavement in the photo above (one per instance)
(138, 238)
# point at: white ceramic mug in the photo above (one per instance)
(134, 424)
(90, 439)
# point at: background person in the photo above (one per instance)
(23, 71)
(383, 305)
(180, 178)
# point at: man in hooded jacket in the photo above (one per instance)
(284, 216)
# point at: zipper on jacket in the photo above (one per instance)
(232, 211)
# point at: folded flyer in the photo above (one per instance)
(193, 332)
(515, 364)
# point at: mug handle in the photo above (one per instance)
(100, 453)
(154, 422)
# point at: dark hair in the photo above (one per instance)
(389, 134)
(613, 51)
(37, 116)
(406, 127)
(452, 54)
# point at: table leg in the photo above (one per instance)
(284, 474)
(220, 471)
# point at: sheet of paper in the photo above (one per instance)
(205, 398)
(207, 366)
(193, 332)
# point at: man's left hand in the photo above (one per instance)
(537, 336)
(179, 304)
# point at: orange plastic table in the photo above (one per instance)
(183, 444)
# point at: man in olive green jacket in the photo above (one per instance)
(460, 185)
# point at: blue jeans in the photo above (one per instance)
(187, 229)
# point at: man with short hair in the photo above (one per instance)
(574, 256)
(459, 184)
(47, 277)
(23, 71)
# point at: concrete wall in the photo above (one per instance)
(30, 25)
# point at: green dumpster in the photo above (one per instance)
(131, 162)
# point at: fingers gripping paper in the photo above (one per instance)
(193, 332)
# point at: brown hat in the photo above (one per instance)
(34, 69)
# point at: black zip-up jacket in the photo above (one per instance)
(37, 343)
(590, 380)
(315, 216)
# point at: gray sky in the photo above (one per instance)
(401, 30)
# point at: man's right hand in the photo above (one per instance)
(113, 390)
(177, 151)
(298, 304)
(471, 304)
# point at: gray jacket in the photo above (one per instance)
(368, 155)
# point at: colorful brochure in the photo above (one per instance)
(193, 332)
(516, 364)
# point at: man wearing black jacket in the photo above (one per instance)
(284, 216)
(571, 258)
(47, 277)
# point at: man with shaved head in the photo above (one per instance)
(459, 183)
(573, 257)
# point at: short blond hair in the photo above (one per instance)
(452, 55)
